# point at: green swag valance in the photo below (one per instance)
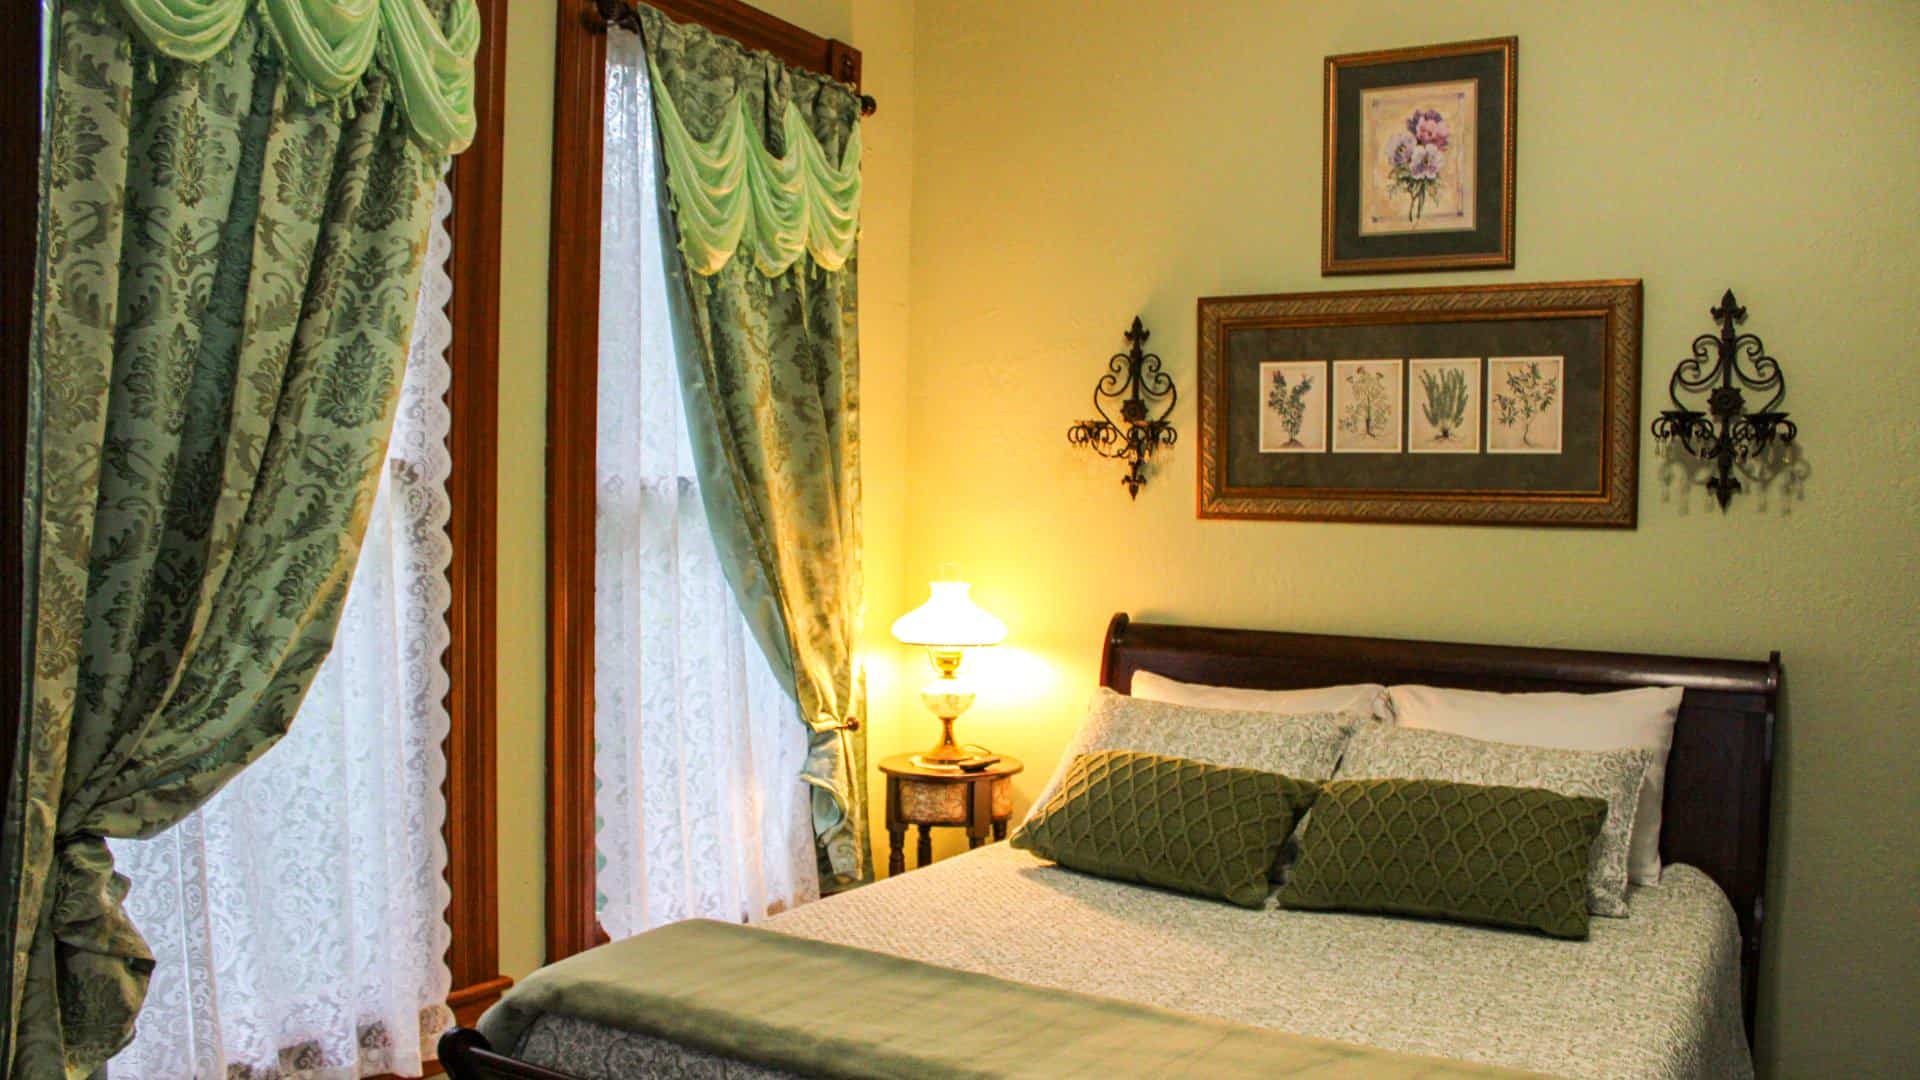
(327, 46)
(730, 191)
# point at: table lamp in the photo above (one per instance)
(947, 624)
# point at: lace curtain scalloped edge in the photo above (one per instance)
(328, 49)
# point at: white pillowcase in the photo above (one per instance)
(1361, 699)
(1624, 719)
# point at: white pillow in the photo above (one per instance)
(1624, 719)
(1305, 747)
(1362, 699)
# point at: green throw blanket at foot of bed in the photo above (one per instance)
(816, 1008)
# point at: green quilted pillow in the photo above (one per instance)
(1505, 856)
(1208, 830)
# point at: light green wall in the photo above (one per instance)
(1049, 170)
(1079, 163)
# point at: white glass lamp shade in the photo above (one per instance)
(949, 619)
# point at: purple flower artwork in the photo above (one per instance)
(1415, 158)
(1418, 153)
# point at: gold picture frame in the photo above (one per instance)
(1585, 475)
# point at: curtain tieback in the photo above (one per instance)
(826, 721)
(96, 945)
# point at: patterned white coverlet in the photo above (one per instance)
(1656, 994)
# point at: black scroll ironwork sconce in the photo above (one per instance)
(1133, 380)
(1727, 433)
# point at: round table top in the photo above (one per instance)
(903, 765)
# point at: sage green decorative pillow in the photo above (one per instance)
(1382, 751)
(1505, 856)
(1208, 830)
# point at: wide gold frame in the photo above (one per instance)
(1613, 505)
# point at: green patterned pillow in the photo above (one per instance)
(1208, 830)
(1505, 856)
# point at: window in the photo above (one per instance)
(468, 765)
(298, 919)
(698, 748)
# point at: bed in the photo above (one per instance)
(1667, 992)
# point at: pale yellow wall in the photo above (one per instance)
(528, 175)
(884, 31)
(1076, 164)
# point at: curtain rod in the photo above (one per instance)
(621, 13)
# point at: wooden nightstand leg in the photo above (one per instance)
(926, 845)
(999, 830)
(979, 812)
(896, 849)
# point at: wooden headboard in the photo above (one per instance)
(1719, 773)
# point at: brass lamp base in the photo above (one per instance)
(946, 751)
(946, 697)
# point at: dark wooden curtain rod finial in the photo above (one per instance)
(749, 26)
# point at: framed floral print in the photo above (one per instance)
(1419, 166)
(1476, 405)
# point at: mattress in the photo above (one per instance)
(1652, 995)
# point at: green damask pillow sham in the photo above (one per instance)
(1207, 830)
(1503, 856)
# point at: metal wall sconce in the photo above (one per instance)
(1730, 434)
(1135, 381)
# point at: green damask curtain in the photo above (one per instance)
(762, 170)
(235, 196)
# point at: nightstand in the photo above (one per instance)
(980, 802)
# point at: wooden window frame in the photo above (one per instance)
(470, 829)
(573, 364)
(473, 398)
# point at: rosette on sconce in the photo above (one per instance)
(1726, 433)
(1144, 396)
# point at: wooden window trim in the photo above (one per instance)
(573, 359)
(471, 825)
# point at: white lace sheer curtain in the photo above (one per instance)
(298, 919)
(699, 748)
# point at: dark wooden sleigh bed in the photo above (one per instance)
(1719, 772)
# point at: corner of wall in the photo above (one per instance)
(883, 31)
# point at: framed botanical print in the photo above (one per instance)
(1419, 166)
(1477, 405)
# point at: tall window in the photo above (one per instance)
(298, 919)
(700, 807)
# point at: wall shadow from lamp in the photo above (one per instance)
(947, 625)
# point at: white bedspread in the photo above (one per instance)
(1656, 994)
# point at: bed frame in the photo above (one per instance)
(1719, 772)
